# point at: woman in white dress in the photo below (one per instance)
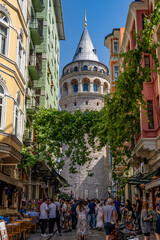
(99, 224)
(82, 226)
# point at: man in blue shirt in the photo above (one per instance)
(117, 206)
(157, 231)
(91, 214)
(74, 214)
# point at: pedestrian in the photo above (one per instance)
(66, 211)
(82, 226)
(74, 214)
(52, 216)
(118, 206)
(58, 209)
(145, 221)
(44, 217)
(99, 211)
(138, 211)
(109, 218)
(157, 231)
(91, 214)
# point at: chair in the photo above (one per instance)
(27, 226)
(34, 223)
(16, 230)
(10, 231)
(23, 230)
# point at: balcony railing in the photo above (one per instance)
(38, 5)
(35, 67)
(71, 70)
(36, 31)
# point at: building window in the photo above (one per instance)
(38, 91)
(16, 122)
(97, 103)
(65, 105)
(147, 61)
(3, 33)
(1, 104)
(86, 102)
(116, 72)
(143, 26)
(95, 87)
(95, 69)
(115, 47)
(85, 87)
(37, 100)
(75, 104)
(85, 68)
(150, 114)
(76, 87)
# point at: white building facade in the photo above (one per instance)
(83, 84)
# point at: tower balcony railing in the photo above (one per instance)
(76, 69)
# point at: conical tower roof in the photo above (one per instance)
(85, 49)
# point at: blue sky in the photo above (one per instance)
(102, 17)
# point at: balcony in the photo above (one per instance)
(36, 31)
(35, 67)
(38, 5)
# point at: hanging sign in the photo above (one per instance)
(3, 231)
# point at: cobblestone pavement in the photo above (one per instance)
(93, 235)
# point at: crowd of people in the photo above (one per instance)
(80, 215)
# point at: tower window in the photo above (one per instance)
(95, 87)
(85, 68)
(80, 50)
(65, 105)
(95, 69)
(85, 87)
(76, 87)
(76, 69)
(97, 103)
(75, 104)
(86, 102)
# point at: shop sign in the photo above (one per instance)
(3, 231)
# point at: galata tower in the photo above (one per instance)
(83, 84)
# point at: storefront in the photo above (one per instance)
(10, 194)
(42, 181)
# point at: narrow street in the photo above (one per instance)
(93, 235)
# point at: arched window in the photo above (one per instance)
(95, 69)
(76, 87)
(85, 87)
(1, 104)
(85, 68)
(4, 25)
(76, 69)
(20, 51)
(95, 87)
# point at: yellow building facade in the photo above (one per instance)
(13, 43)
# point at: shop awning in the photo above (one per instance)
(155, 183)
(11, 181)
(152, 174)
(137, 181)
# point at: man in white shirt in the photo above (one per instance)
(44, 217)
(52, 216)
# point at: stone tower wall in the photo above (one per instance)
(81, 184)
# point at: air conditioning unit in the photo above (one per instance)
(145, 168)
(28, 92)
